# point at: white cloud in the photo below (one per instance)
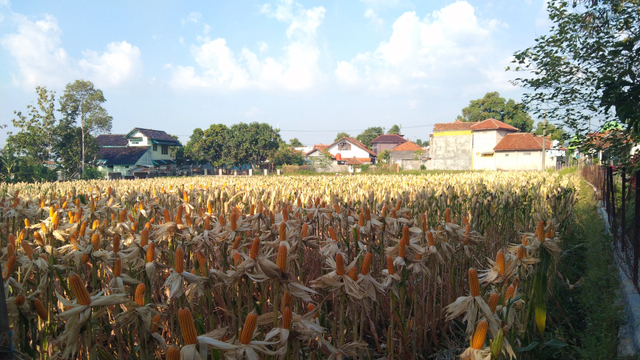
(375, 20)
(193, 17)
(36, 48)
(422, 53)
(297, 69)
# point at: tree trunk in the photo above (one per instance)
(82, 123)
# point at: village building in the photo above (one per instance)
(140, 149)
(409, 155)
(343, 149)
(451, 146)
(386, 142)
(523, 151)
(486, 134)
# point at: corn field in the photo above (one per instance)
(282, 267)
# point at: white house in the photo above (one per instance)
(343, 149)
(523, 151)
(486, 135)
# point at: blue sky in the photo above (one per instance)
(311, 68)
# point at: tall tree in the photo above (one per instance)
(369, 134)
(286, 155)
(68, 148)
(35, 138)
(82, 103)
(295, 143)
(341, 135)
(585, 71)
(250, 144)
(207, 146)
(555, 132)
(395, 129)
(492, 105)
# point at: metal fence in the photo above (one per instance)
(618, 191)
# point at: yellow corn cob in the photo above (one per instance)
(287, 315)
(430, 238)
(38, 238)
(480, 334)
(510, 291)
(116, 243)
(339, 265)
(139, 296)
(402, 251)
(11, 250)
(332, 233)
(123, 215)
(189, 334)
(249, 328)
(202, 262)
(79, 290)
(167, 216)
(236, 243)
(83, 229)
(521, 252)
(474, 284)
(286, 300)
(281, 260)
(366, 264)
(361, 219)
(524, 240)
(233, 221)
(207, 223)
(283, 231)
(447, 215)
(353, 274)
(26, 223)
(540, 231)
(155, 323)
(151, 251)
(144, 237)
(173, 353)
(28, 250)
(20, 299)
(285, 214)
(419, 256)
(40, 309)
(493, 302)
(254, 248)
(398, 205)
(305, 229)
(9, 267)
(95, 240)
(500, 261)
(178, 218)
(390, 266)
(12, 240)
(178, 262)
(237, 259)
(117, 267)
(84, 258)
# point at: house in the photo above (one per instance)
(386, 142)
(486, 134)
(140, 148)
(451, 146)
(523, 151)
(406, 151)
(343, 149)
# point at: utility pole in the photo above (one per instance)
(544, 145)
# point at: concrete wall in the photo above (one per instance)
(523, 160)
(410, 164)
(451, 152)
(403, 155)
(380, 147)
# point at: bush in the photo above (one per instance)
(422, 167)
(91, 173)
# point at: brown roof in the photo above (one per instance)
(317, 147)
(355, 142)
(454, 126)
(111, 140)
(407, 146)
(493, 124)
(354, 161)
(522, 141)
(389, 139)
(156, 136)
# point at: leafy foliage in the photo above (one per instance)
(384, 156)
(341, 135)
(295, 143)
(395, 129)
(492, 105)
(555, 132)
(286, 155)
(369, 134)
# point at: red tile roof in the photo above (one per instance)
(356, 143)
(317, 147)
(493, 124)
(355, 161)
(407, 146)
(389, 139)
(454, 126)
(522, 141)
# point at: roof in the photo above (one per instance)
(156, 136)
(356, 143)
(407, 146)
(356, 161)
(522, 141)
(317, 147)
(454, 126)
(111, 140)
(122, 155)
(389, 139)
(493, 124)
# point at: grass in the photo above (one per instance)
(588, 316)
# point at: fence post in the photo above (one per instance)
(636, 228)
(623, 214)
(612, 195)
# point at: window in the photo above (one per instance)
(165, 149)
(527, 154)
(506, 155)
(155, 147)
(344, 146)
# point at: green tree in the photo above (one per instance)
(286, 155)
(421, 143)
(250, 144)
(68, 148)
(492, 105)
(322, 161)
(341, 135)
(369, 134)
(395, 129)
(35, 138)
(585, 71)
(384, 156)
(556, 133)
(82, 103)
(295, 143)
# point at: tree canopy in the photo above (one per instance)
(395, 129)
(584, 72)
(341, 135)
(555, 132)
(286, 155)
(295, 143)
(492, 105)
(369, 134)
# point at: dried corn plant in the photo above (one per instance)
(281, 267)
